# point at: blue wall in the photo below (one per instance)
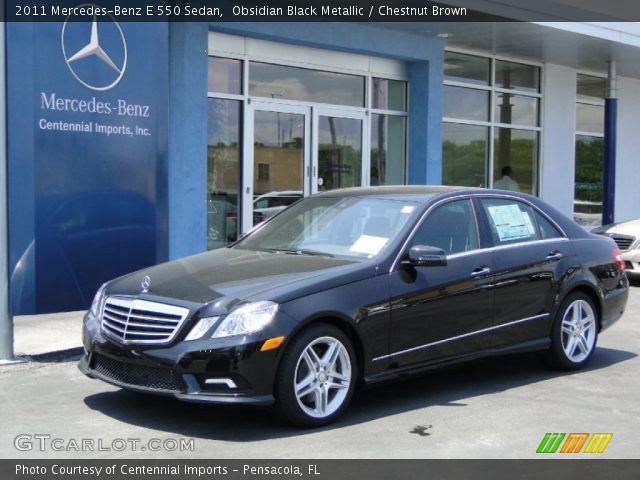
(188, 106)
(81, 160)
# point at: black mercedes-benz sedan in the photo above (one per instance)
(353, 287)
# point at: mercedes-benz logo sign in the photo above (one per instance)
(145, 284)
(93, 47)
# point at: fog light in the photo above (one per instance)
(221, 381)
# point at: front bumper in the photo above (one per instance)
(233, 371)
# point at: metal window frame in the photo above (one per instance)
(491, 124)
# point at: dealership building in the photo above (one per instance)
(129, 144)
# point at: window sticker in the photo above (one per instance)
(368, 244)
(511, 222)
(407, 209)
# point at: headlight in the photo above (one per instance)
(246, 319)
(96, 305)
(202, 327)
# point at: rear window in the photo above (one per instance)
(510, 221)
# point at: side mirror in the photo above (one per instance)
(426, 256)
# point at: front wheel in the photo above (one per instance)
(575, 333)
(316, 377)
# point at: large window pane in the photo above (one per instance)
(516, 109)
(223, 172)
(589, 118)
(389, 94)
(387, 149)
(293, 83)
(464, 154)
(466, 68)
(516, 160)
(588, 180)
(339, 153)
(517, 76)
(591, 88)
(466, 103)
(225, 75)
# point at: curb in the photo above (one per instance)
(55, 356)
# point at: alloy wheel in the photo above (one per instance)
(578, 331)
(322, 377)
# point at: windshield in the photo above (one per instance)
(353, 227)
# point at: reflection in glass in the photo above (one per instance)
(224, 75)
(293, 83)
(466, 103)
(517, 76)
(464, 154)
(389, 94)
(591, 88)
(587, 206)
(223, 172)
(589, 118)
(278, 158)
(339, 153)
(387, 150)
(466, 68)
(517, 149)
(516, 109)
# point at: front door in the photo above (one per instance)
(443, 311)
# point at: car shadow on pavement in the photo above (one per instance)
(448, 387)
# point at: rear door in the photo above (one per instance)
(529, 258)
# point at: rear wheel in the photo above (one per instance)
(575, 333)
(316, 377)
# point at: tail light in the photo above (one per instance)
(617, 257)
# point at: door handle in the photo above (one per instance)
(480, 272)
(554, 255)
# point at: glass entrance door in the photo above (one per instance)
(339, 160)
(290, 156)
(279, 168)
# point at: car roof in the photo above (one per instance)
(419, 193)
(426, 194)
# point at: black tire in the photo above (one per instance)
(294, 369)
(557, 355)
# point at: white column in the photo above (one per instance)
(628, 150)
(557, 149)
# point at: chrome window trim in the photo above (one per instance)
(458, 337)
(131, 301)
(480, 196)
(422, 219)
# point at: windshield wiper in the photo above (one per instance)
(299, 251)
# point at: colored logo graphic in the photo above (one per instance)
(96, 58)
(573, 442)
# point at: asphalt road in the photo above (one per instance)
(495, 408)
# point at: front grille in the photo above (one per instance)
(130, 320)
(154, 378)
(624, 242)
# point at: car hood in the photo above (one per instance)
(631, 227)
(224, 277)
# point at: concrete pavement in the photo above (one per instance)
(494, 408)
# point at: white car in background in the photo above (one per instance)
(268, 204)
(627, 237)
